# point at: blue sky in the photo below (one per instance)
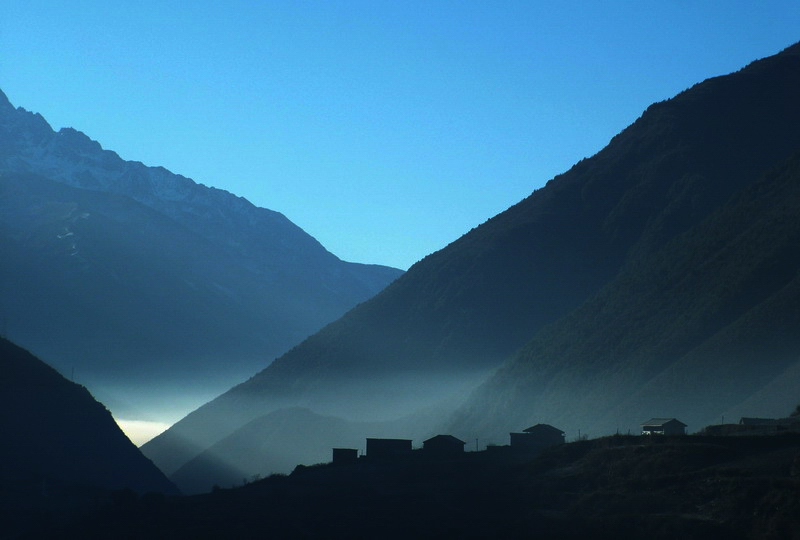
(384, 129)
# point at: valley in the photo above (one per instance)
(658, 278)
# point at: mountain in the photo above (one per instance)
(282, 439)
(704, 328)
(54, 431)
(543, 272)
(287, 437)
(155, 291)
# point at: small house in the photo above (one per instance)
(663, 426)
(387, 448)
(537, 437)
(443, 445)
(345, 456)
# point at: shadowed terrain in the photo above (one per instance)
(616, 487)
(60, 448)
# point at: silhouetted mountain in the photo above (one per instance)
(147, 284)
(54, 431)
(705, 327)
(560, 267)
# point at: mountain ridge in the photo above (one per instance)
(193, 276)
(467, 308)
(734, 339)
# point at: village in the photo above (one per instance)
(539, 437)
(721, 482)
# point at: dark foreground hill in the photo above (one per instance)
(54, 429)
(58, 443)
(158, 292)
(621, 487)
(624, 271)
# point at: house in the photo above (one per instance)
(345, 456)
(387, 448)
(443, 445)
(663, 426)
(537, 437)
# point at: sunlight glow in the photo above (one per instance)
(141, 431)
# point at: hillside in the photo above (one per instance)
(703, 328)
(621, 487)
(541, 268)
(156, 291)
(54, 430)
(287, 437)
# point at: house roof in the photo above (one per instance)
(661, 422)
(543, 428)
(443, 438)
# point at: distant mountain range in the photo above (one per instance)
(154, 291)
(656, 278)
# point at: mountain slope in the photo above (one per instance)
(461, 311)
(287, 437)
(54, 430)
(693, 331)
(144, 282)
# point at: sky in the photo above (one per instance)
(384, 129)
